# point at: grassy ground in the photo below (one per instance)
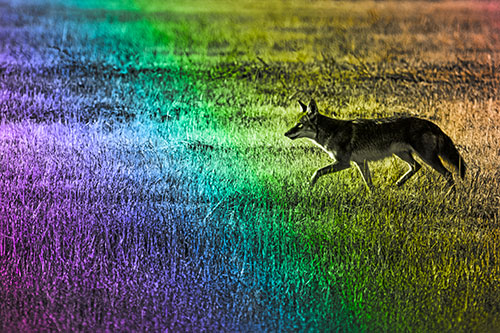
(148, 184)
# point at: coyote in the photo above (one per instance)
(364, 140)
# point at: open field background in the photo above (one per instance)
(147, 185)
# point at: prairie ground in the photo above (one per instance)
(147, 185)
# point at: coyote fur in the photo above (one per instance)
(364, 140)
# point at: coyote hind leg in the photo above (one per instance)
(414, 167)
(434, 161)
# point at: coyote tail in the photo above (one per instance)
(449, 153)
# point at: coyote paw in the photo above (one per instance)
(314, 179)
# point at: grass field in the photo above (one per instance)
(147, 184)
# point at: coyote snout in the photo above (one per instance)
(364, 140)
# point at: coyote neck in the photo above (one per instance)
(328, 128)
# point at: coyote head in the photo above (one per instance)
(307, 126)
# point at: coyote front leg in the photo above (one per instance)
(365, 173)
(334, 167)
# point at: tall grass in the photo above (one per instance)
(148, 184)
(411, 259)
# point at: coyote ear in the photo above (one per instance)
(313, 108)
(303, 106)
